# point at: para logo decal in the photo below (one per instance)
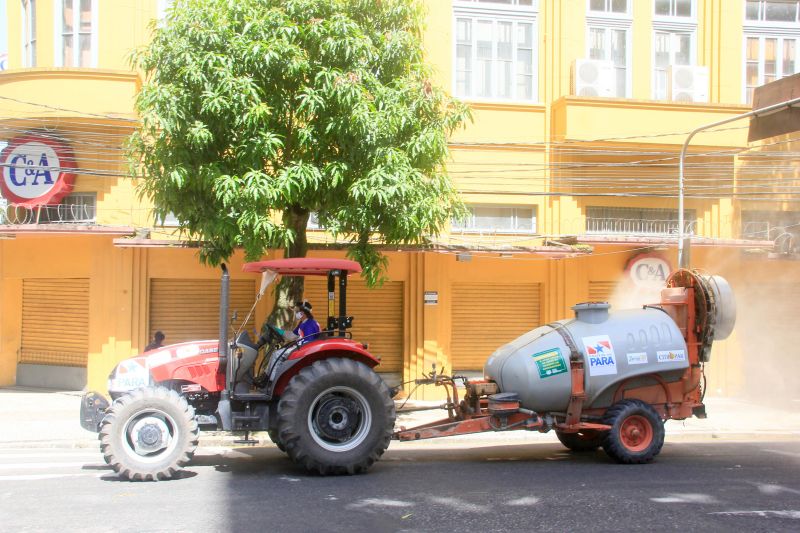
(130, 374)
(600, 354)
(36, 170)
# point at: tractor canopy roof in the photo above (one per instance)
(303, 266)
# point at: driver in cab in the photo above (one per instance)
(306, 328)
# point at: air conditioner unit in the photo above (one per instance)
(592, 77)
(687, 83)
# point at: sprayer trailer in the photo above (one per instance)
(600, 379)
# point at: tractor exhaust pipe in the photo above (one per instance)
(224, 302)
(224, 405)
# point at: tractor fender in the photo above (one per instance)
(316, 351)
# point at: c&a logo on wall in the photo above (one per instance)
(648, 270)
(37, 170)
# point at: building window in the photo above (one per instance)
(497, 219)
(674, 38)
(637, 221)
(670, 48)
(674, 8)
(76, 33)
(771, 34)
(770, 225)
(611, 44)
(28, 33)
(495, 49)
(768, 58)
(313, 222)
(163, 6)
(773, 10)
(608, 6)
(527, 3)
(168, 221)
(608, 38)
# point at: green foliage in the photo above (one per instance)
(253, 108)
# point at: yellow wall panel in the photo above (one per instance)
(378, 316)
(487, 315)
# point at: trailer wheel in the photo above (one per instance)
(583, 441)
(336, 417)
(637, 433)
(149, 434)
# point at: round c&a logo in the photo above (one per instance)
(649, 270)
(36, 171)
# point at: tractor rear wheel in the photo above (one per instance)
(336, 417)
(636, 434)
(149, 434)
(583, 441)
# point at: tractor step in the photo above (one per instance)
(246, 439)
(250, 397)
(251, 442)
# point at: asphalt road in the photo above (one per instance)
(703, 486)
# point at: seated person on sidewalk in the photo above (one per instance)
(158, 342)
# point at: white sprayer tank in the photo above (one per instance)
(614, 347)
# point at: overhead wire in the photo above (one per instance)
(97, 148)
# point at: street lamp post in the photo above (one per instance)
(682, 259)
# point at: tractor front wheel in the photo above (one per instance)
(636, 434)
(149, 434)
(336, 417)
(583, 441)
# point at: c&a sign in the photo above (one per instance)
(649, 270)
(37, 170)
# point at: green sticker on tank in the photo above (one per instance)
(550, 363)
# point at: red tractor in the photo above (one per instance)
(320, 400)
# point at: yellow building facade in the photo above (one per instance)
(569, 169)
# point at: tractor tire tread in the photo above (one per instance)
(275, 437)
(612, 442)
(116, 414)
(574, 442)
(299, 448)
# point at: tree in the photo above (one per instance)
(257, 113)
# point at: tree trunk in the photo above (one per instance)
(290, 288)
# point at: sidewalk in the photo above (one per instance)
(37, 418)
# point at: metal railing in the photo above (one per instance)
(765, 230)
(756, 230)
(49, 214)
(631, 226)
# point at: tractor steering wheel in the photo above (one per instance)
(274, 332)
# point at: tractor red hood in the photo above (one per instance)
(193, 362)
